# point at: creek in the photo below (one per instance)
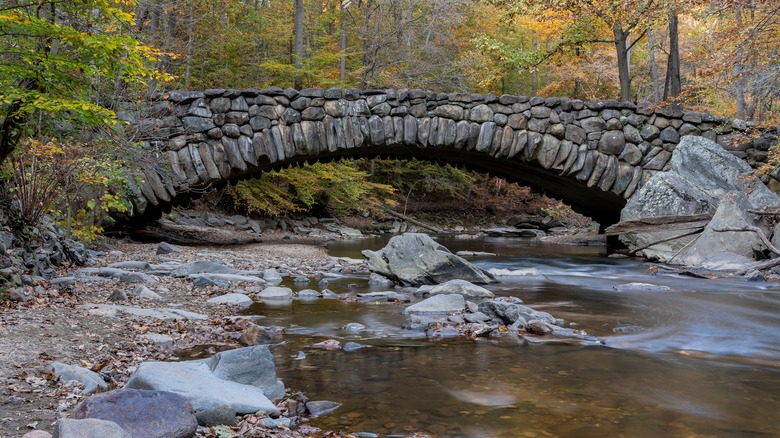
(701, 359)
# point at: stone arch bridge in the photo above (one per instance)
(593, 155)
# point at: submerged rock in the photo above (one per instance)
(388, 296)
(416, 259)
(318, 408)
(640, 286)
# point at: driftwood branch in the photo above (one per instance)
(768, 212)
(753, 229)
(411, 220)
(675, 237)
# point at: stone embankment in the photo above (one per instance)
(594, 154)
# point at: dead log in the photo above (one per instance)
(660, 224)
(412, 220)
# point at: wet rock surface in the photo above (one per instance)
(416, 259)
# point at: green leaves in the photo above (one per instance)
(61, 60)
(340, 187)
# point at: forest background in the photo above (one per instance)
(72, 74)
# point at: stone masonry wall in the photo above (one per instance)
(218, 135)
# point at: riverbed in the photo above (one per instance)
(701, 358)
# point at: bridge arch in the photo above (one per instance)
(593, 155)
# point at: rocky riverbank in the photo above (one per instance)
(107, 324)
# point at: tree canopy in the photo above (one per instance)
(64, 64)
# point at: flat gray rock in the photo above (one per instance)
(640, 287)
(232, 299)
(88, 428)
(132, 265)
(230, 277)
(438, 304)
(157, 338)
(383, 296)
(90, 379)
(206, 391)
(460, 287)
(308, 294)
(275, 293)
(209, 267)
(113, 310)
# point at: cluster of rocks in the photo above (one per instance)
(445, 281)
(703, 181)
(326, 228)
(218, 134)
(171, 399)
(529, 226)
(33, 255)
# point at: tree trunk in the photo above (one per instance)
(739, 83)
(535, 71)
(673, 85)
(298, 31)
(621, 47)
(653, 68)
(342, 42)
(369, 45)
(190, 38)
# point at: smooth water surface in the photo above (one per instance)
(700, 360)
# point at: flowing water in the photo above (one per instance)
(700, 360)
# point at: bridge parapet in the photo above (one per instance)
(583, 151)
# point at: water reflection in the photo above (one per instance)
(700, 360)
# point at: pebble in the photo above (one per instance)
(167, 248)
(308, 294)
(330, 344)
(274, 423)
(319, 408)
(353, 327)
(203, 281)
(353, 346)
(144, 292)
(118, 295)
(254, 335)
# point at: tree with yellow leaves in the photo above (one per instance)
(65, 63)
